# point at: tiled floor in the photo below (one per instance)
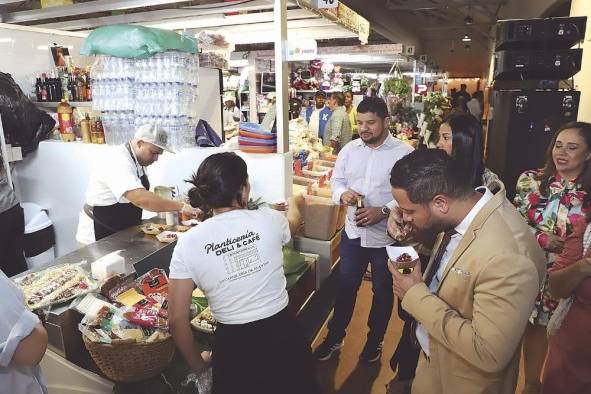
(343, 374)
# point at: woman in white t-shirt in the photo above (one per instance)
(236, 259)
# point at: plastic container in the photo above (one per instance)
(39, 240)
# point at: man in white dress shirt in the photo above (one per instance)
(362, 172)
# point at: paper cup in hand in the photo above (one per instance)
(404, 258)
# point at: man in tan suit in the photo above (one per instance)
(474, 300)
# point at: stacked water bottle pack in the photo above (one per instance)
(160, 89)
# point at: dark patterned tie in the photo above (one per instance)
(430, 274)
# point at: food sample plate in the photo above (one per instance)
(204, 322)
(153, 229)
(167, 236)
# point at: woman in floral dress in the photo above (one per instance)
(551, 199)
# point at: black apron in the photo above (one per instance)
(113, 218)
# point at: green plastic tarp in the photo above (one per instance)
(135, 42)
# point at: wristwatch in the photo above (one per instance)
(385, 211)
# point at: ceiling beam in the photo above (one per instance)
(230, 20)
(157, 16)
(432, 5)
(238, 37)
(96, 6)
(450, 27)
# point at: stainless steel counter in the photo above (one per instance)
(141, 252)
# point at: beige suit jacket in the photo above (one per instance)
(477, 317)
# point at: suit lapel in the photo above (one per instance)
(472, 230)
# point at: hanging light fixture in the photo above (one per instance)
(466, 38)
(468, 19)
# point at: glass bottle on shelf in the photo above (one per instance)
(72, 89)
(38, 87)
(85, 129)
(80, 89)
(43, 87)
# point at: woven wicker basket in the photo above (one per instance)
(131, 362)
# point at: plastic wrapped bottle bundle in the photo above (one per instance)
(161, 89)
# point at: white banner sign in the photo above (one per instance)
(303, 49)
(324, 4)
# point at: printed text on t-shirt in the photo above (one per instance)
(231, 244)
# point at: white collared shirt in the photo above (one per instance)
(421, 333)
(16, 324)
(314, 124)
(367, 171)
(114, 174)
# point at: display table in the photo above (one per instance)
(68, 364)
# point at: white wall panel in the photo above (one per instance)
(24, 52)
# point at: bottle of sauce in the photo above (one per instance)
(85, 129)
(66, 121)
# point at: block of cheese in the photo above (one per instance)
(111, 264)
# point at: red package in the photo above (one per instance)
(145, 318)
(162, 299)
(154, 281)
(297, 168)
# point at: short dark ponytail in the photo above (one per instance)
(218, 182)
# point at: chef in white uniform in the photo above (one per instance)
(118, 188)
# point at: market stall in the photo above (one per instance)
(85, 331)
(55, 176)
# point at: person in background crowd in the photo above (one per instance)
(318, 115)
(23, 341)
(568, 363)
(359, 175)
(12, 230)
(460, 137)
(463, 93)
(460, 107)
(338, 129)
(236, 259)
(232, 113)
(306, 103)
(471, 305)
(295, 108)
(118, 189)
(453, 94)
(352, 111)
(550, 199)
(475, 104)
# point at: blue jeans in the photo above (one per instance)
(354, 261)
